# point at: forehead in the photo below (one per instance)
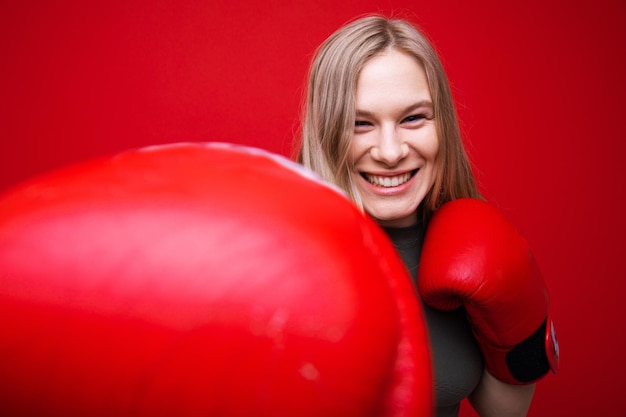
(392, 76)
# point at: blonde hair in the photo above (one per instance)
(329, 111)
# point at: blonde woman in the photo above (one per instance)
(380, 123)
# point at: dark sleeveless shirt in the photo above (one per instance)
(458, 363)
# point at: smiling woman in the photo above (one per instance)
(332, 116)
(395, 142)
(380, 123)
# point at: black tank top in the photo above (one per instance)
(458, 363)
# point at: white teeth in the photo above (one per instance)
(388, 181)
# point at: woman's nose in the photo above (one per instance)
(389, 147)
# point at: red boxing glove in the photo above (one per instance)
(473, 257)
(205, 280)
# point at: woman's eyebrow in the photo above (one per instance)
(418, 105)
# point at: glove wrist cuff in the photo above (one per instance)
(528, 361)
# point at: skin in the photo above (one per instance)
(395, 139)
(494, 398)
(392, 154)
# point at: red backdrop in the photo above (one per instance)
(540, 89)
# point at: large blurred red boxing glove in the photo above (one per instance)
(473, 257)
(202, 280)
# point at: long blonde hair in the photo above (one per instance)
(329, 112)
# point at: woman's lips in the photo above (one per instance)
(388, 181)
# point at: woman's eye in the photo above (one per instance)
(414, 118)
(361, 126)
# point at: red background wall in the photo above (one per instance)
(540, 89)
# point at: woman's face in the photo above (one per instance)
(395, 143)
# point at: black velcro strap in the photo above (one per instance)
(528, 361)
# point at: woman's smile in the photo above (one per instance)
(388, 181)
